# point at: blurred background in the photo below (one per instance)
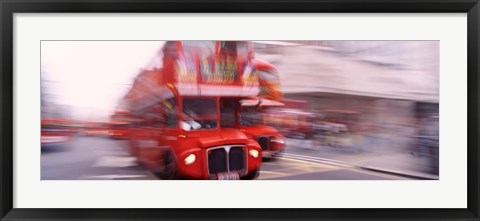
(353, 109)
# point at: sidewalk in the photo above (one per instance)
(376, 159)
(402, 164)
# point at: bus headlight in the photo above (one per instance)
(253, 153)
(190, 159)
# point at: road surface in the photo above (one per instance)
(101, 158)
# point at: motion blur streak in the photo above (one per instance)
(240, 110)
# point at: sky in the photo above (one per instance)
(91, 76)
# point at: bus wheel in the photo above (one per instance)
(169, 171)
(252, 175)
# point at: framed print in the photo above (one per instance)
(239, 110)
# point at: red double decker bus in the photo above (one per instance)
(250, 112)
(178, 102)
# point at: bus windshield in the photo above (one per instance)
(250, 116)
(199, 113)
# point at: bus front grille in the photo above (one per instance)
(236, 158)
(226, 158)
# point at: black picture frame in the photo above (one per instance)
(9, 7)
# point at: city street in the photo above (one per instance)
(101, 158)
(333, 110)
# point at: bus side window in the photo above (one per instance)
(157, 115)
(170, 112)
